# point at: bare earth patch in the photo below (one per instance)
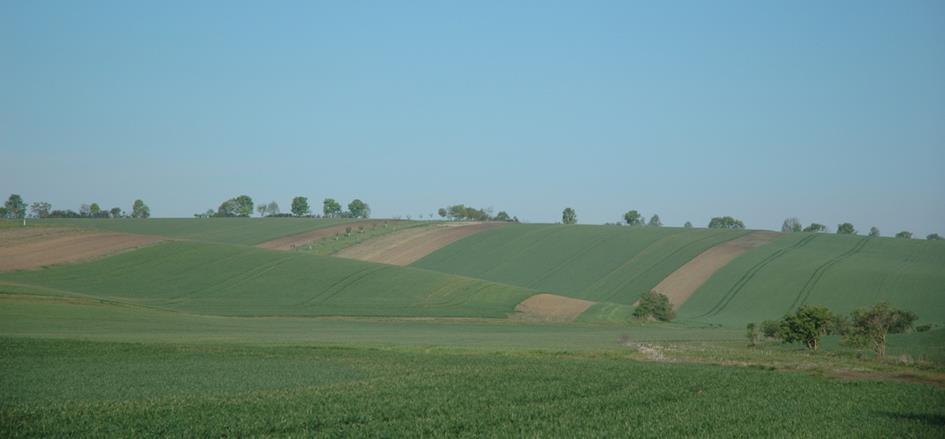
(409, 245)
(292, 241)
(551, 307)
(32, 248)
(680, 284)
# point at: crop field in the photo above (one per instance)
(248, 231)
(194, 337)
(225, 279)
(840, 272)
(599, 263)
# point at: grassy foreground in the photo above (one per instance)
(60, 388)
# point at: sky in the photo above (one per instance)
(824, 111)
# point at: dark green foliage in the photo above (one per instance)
(934, 237)
(874, 232)
(923, 328)
(725, 222)
(846, 229)
(633, 218)
(870, 326)
(904, 235)
(771, 328)
(815, 228)
(331, 208)
(140, 210)
(806, 326)
(359, 209)
(791, 225)
(654, 305)
(839, 325)
(14, 207)
(40, 209)
(300, 206)
(655, 221)
(568, 216)
(503, 216)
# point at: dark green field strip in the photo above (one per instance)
(77, 389)
(750, 274)
(840, 272)
(600, 263)
(245, 231)
(223, 279)
(815, 277)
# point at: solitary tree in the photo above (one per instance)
(115, 212)
(359, 209)
(568, 216)
(40, 209)
(688, 225)
(846, 229)
(655, 221)
(244, 205)
(874, 232)
(815, 228)
(95, 210)
(654, 305)
(870, 326)
(726, 222)
(140, 210)
(904, 235)
(441, 212)
(15, 207)
(807, 326)
(633, 218)
(933, 237)
(300, 206)
(791, 225)
(331, 208)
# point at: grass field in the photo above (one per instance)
(248, 231)
(223, 279)
(599, 263)
(840, 272)
(55, 388)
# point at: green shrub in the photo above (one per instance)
(654, 305)
(771, 328)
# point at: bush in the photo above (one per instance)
(923, 328)
(654, 305)
(771, 328)
(807, 326)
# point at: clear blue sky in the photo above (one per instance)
(828, 111)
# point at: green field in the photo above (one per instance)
(599, 263)
(840, 272)
(248, 231)
(202, 338)
(224, 279)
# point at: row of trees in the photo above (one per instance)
(635, 218)
(16, 208)
(792, 225)
(461, 212)
(242, 206)
(864, 328)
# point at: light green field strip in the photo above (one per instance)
(599, 263)
(840, 272)
(246, 231)
(222, 279)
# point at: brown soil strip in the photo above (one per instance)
(680, 284)
(62, 247)
(409, 245)
(551, 307)
(292, 241)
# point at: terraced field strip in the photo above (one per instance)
(551, 307)
(27, 248)
(815, 277)
(679, 285)
(750, 274)
(292, 241)
(406, 246)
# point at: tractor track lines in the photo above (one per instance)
(818, 273)
(750, 274)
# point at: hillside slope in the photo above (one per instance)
(840, 272)
(599, 263)
(222, 279)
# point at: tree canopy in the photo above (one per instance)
(807, 326)
(874, 232)
(904, 235)
(655, 221)
(846, 229)
(726, 222)
(791, 225)
(140, 210)
(331, 208)
(633, 218)
(300, 206)
(815, 228)
(568, 216)
(359, 209)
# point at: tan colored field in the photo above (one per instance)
(409, 245)
(38, 247)
(680, 284)
(551, 307)
(292, 241)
